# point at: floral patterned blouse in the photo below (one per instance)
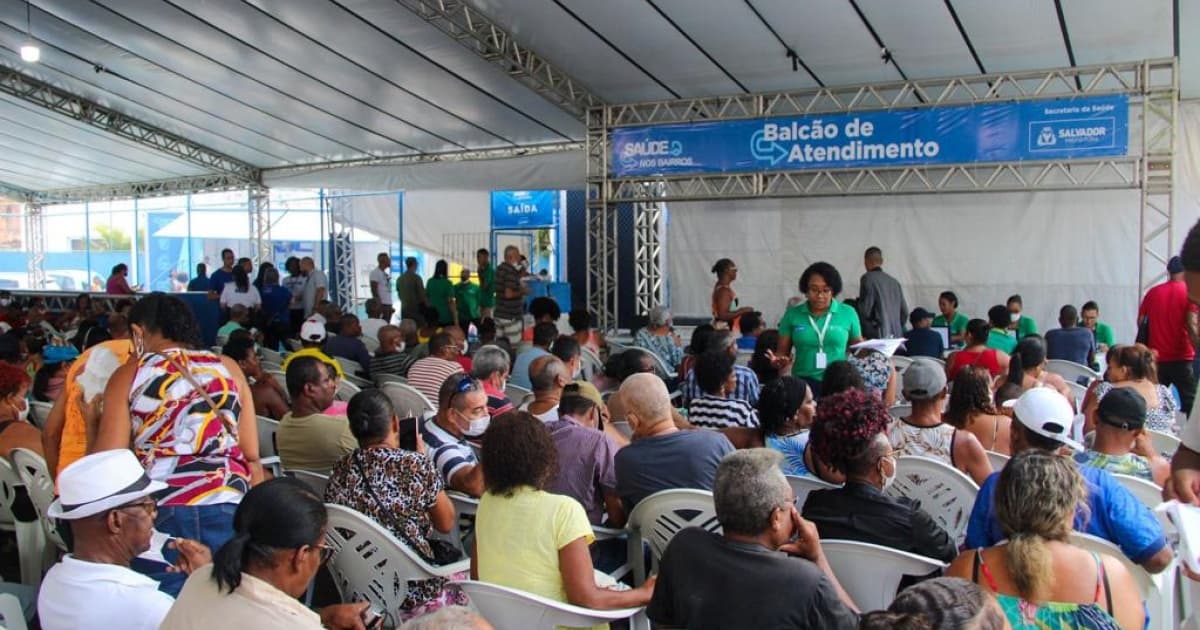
(407, 484)
(662, 345)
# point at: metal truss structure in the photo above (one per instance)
(216, 182)
(44, 95)
(35, 239)
(260, 224)
(482, 36)
(498, 153)
(343, 288)
(1151, 85)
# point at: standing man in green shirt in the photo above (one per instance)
(1024, 326)
(951, 319)
(487, 283)
(1090, 318)
(466, 293)
(1000, 337)
(411, 291)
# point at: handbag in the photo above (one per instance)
(443, 552)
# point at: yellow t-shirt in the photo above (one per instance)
(518, 538)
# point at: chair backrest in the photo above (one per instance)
(801, 486)
(270, 355)
(505, 607)
(32, 470)
(943, 491)
(624, 428)
(871, 574)
(349, 366)
(901, 363)
(1157, 591)
(314, 480)
(11, 611)
(370, 563)
(997, 460)
(346, 390)
(407, 400)
(266, 436)
(1146, 491)
(516, 393)
(660, 516)
(1164, 443)
(293, 345)
(660, 367)
(384, 377)
(371, 343)
(38, 413)
(590, 364)
(900, 411)
(1072, 371)
(615, 347)
(9, 482)
(1077, 392)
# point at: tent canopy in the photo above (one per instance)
(281, 83)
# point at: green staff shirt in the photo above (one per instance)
(1001, 340)
(1025, 327)
(797, 327)
(467, 294)
(1104, 334)
(439, 292)
(487, 287)
(958, 325)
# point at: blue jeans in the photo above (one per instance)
(209, 524)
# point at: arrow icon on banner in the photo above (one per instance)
(763, 150)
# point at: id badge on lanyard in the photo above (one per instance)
(821, 359)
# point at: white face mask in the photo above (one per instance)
(477, 426)
(23, 413)
(888, 480)
(1014, 317)
(465, 347)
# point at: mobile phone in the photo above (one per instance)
(408, 433)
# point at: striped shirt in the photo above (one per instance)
(746, 389)
(450, 454)
(508, 278)
(712, 412)
(392, 363)
(428, 374)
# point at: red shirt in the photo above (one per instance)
(1167, 306)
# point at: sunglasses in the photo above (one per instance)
(150, 506)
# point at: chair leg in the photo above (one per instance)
(32, 552)
(636, 558)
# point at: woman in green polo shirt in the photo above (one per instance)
(1024, 326)
(819, 329)
(440, 293)
(951, 318)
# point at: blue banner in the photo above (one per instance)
(525, 208)
(165, 253)
(999, 132)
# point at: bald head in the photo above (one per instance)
(548, 374)
(647, 398)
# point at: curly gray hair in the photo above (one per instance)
(748, 488)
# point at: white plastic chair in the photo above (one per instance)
(371, 343)
(658, 517)
(293, 345)
(590, 364)
(871, 574)
(31, 468)
(268, 454)
(998, 460)
(38, 412)
(801, 486)
(900, 411)
(1164, 443)
(944, 492)
(32, 552)
(1146, 491)
(349, 366)
(1077, 392)
(346, 390)
(464, 505)
(1071, 371)
(314, 480)
(271, 356)
(1157, 590)
(10, 610)
(387, 377)
(372, 564)
(901, 363)
(407, 400)
(505, 608)
(624, 428)
(516, 393)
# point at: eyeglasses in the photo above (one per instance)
(820, 290)
(150, 506)
(326, 552)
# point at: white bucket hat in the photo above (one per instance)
(101, 481)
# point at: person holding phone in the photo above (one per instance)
(398, 486)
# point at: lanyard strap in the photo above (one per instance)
(821, 331)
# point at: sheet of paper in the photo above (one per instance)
(887, 346)
(1186, 519)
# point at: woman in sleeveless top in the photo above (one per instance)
(971, 409)
(1133, 366)
(724, 300)
(1027, 368)
(189, 417)
(785, 415)
(1039, 578)
(977, 353)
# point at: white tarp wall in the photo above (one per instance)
(1053, 248)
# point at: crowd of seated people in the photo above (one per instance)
(577, 454)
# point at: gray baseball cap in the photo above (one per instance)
(924, 379)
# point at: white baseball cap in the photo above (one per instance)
(1046, 413)
(312, 330)
(101, 481)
